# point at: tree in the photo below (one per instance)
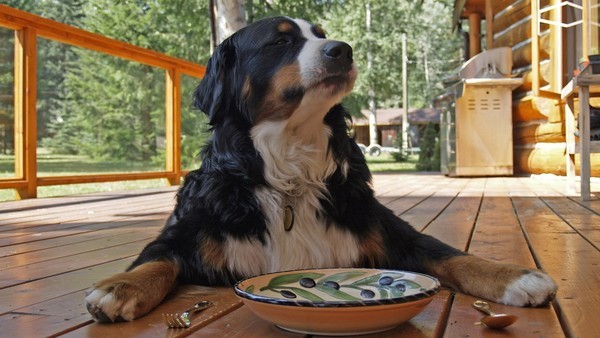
(116, 107)
(226, 18)
(429, 156)
(54, 61)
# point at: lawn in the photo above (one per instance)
(52, 165)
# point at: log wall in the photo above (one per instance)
(538, 122)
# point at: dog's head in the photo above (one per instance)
(276, 69)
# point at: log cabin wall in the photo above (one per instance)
(538, 115)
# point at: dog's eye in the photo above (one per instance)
(282, 41)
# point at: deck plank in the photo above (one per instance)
(578, 217)
(20, 296)
(573, 261)
(420, 193)
(152, 324)
(35, 271)
(498, 237)
(54, 230)
(49, 216)
(423, 213)
(79, 237)
(95, 247)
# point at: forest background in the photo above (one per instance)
(109, 108)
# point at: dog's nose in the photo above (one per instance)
(338, 50)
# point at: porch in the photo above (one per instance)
(52, 250)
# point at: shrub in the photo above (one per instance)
(429, 156)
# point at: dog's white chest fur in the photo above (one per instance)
(295, 172)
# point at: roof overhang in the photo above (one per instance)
(462, 9)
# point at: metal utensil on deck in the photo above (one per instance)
(176, 320)
(493, 320)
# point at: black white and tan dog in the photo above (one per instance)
(283, 186)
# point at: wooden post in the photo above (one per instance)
(489, 24)
(584, 141)
(404, 96)
(474, 34)
(585, 30)
(557, 54)
(173, 125)
(373, 139)
(535, 48)
(25, 92)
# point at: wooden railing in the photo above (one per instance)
(27, 28)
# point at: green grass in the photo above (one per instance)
(386, 163)
(53, 165)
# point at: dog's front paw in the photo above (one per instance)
(112, 301)
(533, 288)
(130, 295)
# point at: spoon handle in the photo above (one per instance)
(483, 307)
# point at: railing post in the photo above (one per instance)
(585, 30)
(535, 47)
(173, 125)
(25, 93)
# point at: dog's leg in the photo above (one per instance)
(502, 283)
(131, 294)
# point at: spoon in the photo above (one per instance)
(493, 320)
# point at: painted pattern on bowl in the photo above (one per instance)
(338, 287)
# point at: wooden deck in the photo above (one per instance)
(52, 250)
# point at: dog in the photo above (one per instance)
(283, 186)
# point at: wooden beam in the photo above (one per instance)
(474, 34)
(98, 178)
(173, 125)
(16, 19)
(25, 91)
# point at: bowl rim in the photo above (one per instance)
(337, 304)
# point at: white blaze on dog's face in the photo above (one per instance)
(326, 65)
(327, 72)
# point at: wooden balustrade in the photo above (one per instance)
(27, 28)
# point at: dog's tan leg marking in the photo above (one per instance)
(132, 294)
(212, 254)
(372, 251)
(502, 283)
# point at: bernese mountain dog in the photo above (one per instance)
(283, 186)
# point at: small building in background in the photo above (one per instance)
(389, 125)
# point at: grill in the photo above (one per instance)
(476, 124)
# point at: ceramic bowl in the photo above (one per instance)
(337, 301)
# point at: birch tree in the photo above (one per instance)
(226, 17)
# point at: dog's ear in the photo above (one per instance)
(211, 95)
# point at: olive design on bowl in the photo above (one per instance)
(345, 286)
(307, 282)
(332, 284)
(368, 294)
